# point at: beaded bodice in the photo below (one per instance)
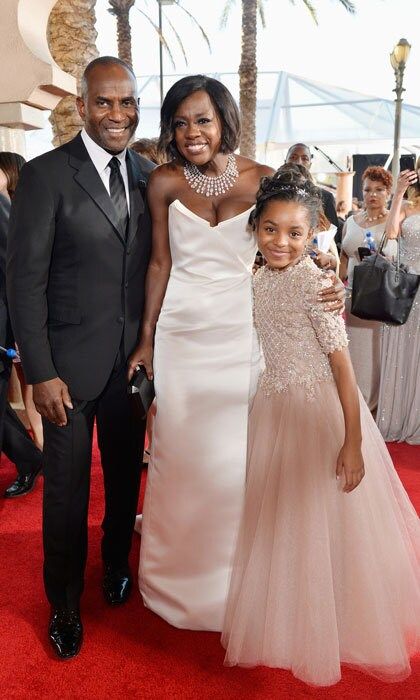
(296, 331)
(410, 243)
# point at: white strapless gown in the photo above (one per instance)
(206, 366)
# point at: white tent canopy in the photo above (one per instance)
(292, 109)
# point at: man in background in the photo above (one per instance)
(301, 154)
(14, 439)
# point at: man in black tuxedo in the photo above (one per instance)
(79, 245)
(14, 439)
(301, 154)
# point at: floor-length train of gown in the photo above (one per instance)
(196, 475)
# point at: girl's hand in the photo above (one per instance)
(142, 355)
(405, 180)
(350, 461)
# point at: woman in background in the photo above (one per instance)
(365, 336)
(398, 414)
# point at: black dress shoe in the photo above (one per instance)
(116, 585)
(23, 484)
(66, 633)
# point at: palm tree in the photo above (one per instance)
(248, 65)
(121, 10)
(71, 38)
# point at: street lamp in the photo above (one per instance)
(161, 2)
(399, 58)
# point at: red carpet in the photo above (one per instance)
(129, 652)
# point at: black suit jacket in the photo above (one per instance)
(75, 284)
(328, 203)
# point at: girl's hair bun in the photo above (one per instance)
(289, 183)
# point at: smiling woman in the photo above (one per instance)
(199, 286)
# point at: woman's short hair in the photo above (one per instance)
(378, 174)
(222, 101)
(11, 164)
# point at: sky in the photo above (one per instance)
(350, 51)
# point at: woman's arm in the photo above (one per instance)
(344, 263)
(397, 212)
(350, 460)
(326, 261)
(344, 258)
(332, 338)
(157, 273)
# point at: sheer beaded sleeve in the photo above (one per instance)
(329, 326)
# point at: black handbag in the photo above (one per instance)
(383, 290)
(142, 392)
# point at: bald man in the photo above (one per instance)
(301, 154)
(78, 250)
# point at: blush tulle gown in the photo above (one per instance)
(321, 577)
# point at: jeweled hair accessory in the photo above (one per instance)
(293, 188)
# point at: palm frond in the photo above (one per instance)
(194, 21)
(178, 38)
(159, 33)
(348, 5)
(311, 9)
(260, 8)
(225, 13)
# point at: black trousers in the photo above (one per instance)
(15, 441)
(67, 461)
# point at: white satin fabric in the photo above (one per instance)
(206, 366)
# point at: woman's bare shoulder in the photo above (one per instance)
(166, 171)
(247, 165)
(165, 179)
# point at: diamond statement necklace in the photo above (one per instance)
(212, 186)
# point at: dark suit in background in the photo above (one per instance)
(328, 203)
(14, 439)
(75, 283)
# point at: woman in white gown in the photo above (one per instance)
(204, 360)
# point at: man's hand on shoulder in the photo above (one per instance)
(51, 398)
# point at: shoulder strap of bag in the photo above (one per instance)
(382, 245)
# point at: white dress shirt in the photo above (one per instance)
(100, 159)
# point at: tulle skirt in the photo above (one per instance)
(322, 577)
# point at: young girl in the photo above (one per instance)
(327, 566)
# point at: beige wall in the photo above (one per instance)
(29, 78)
